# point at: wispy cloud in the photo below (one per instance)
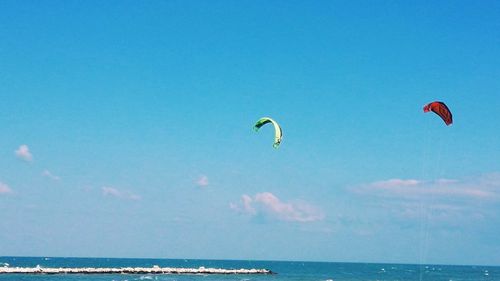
(395, 182)
(114, 192)
(23, 152)
(4, 188)
(270, 206)
(447, 201)
(414, 189)
(48, 174)
(202, 181)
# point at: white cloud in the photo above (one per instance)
(247, 205)
(202, 181)
(23, 152)
(48, 174)
(110, 191)
(114, 192)
(4, 188)
(267, 204)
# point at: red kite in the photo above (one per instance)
(440, 109)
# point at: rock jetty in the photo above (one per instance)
(128, 270)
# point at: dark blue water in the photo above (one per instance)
(286, 271)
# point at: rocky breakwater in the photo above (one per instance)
(129, 270)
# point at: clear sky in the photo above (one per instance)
(126, 130)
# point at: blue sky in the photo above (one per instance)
(126, 130)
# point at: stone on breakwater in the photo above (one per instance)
(129, 270)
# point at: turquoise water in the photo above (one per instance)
(286, 271)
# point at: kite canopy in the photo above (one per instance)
(440, 109)
(277, 129)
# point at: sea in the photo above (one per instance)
(285, 270)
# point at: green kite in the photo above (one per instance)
(277, 129)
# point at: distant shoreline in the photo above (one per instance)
(129, 270)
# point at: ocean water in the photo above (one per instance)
(286, 271)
